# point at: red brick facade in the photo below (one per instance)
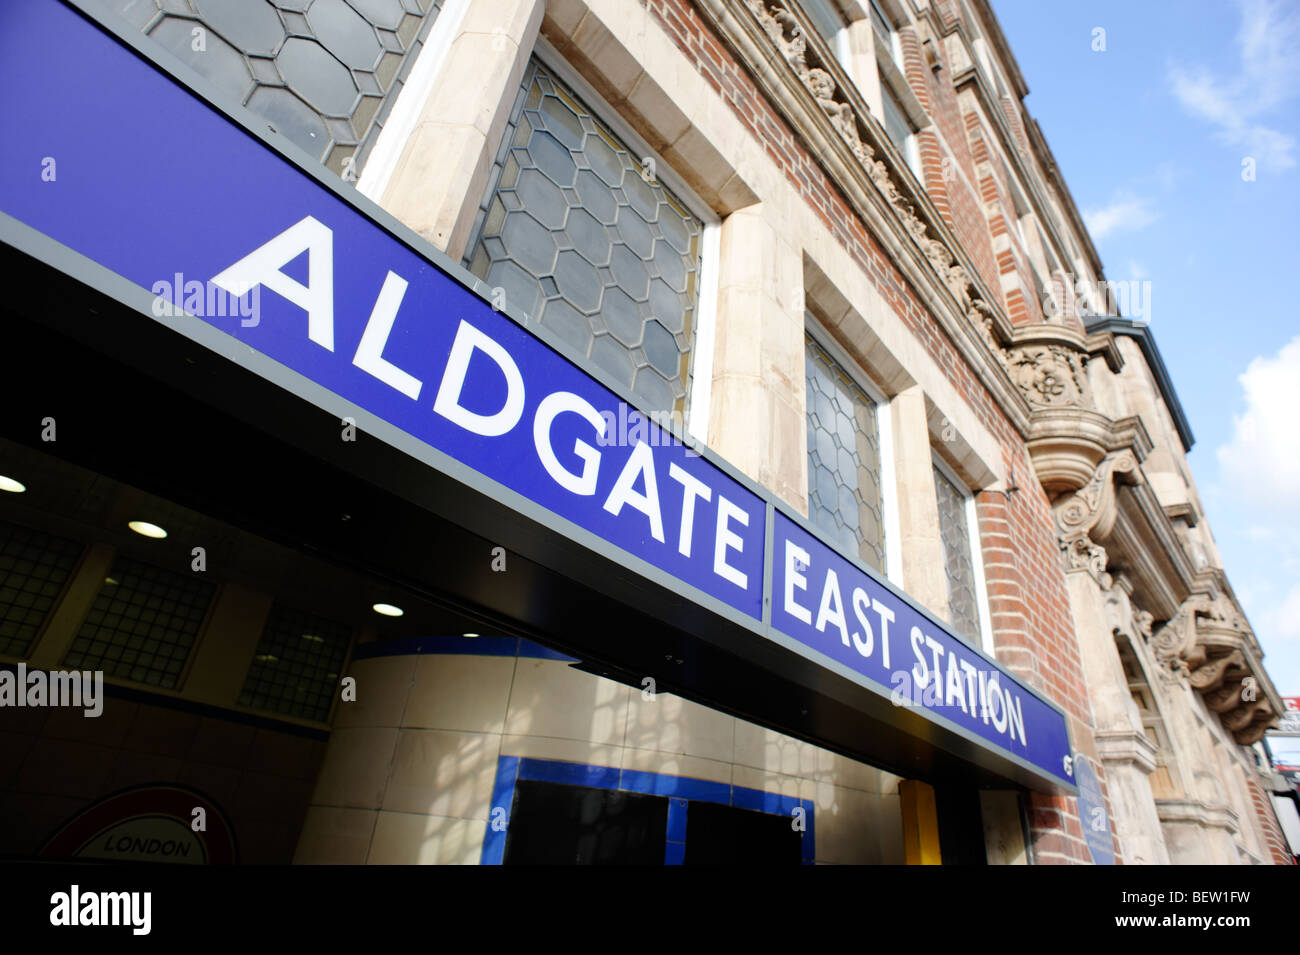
(1276, 841)
(1029, 605)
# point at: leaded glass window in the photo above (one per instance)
(579, 237)
(296, 665)
(34, 566)
(142, 624)
(844, 495)
(963, 607)
(325, 73)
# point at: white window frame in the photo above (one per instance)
(827, 11)
(700, 389)
(895, 45)
(976, 552)
(911, 151)
(884, 430)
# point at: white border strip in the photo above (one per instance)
(706, 324)
(420, 82)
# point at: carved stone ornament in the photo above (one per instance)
(1088, 514)
(1142, 620)
(1222, 698)
(1209, 676)
(1050, 376)
(1221, 613)
(1174, 641)
(1082, 554)
(785, 33)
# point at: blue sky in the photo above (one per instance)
(1150, 134)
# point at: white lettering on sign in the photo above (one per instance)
(796, 560)
(551, 407)
(263, 267)
(692, 489)
(640, 463)
(636, 487)
(370, 353)
(726, 539)
(469, 340)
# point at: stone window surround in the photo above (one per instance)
(613, 48)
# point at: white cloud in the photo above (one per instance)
(1125, 212)
(1268, 44)
(1281, 621)
(1261, 462)
(1137, 271)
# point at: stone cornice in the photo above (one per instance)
(1126, 746)
(1103, 344)
(1141, 333)
(793, 68)
(1214, 815)
(1145, 541)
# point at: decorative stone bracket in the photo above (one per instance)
(1087, 516)
(1207, 645)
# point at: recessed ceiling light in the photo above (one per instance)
(146, 529)
(388, 610)
(9, 484)
(469, 635)
(313, 638)
(111, 581)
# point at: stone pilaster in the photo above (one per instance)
(757, 408)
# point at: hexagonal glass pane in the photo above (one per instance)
(609, 355)
(291, 117)
(318, 77)
(577, 281)
(529, 243)
(252, 26)
(542, 198)
(630, 272)
(218, 61)
(588, 237)
(622, 317)
(571, 326)
(660, 348)
(635, 234)
(562, 122)
(344, 33)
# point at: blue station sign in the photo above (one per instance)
(120, 165)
